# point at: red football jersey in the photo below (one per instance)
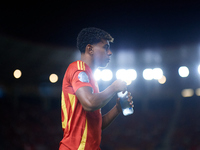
(81, 129)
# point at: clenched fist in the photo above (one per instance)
(119, 85)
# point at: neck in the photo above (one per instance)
(89, 61)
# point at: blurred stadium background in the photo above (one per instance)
(37, 43)
(164, 118)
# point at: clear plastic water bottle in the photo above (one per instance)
(126, 107)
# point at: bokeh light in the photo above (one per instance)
(97, 74)
(187, 92)
(126, 75)
(162, 80)
(17, 73)
(199, 69)
(148, 74)
(121, 74)
(106, 75)
(198, 92)
(157, 73)
(183, 71)
(53, 78)
(131, 74)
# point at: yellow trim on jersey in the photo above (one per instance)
(78, 65)
(72, 102)
(81, 65)
(64, 123)
(84, 137)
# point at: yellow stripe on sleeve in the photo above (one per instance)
(78, 65)
(83, 66)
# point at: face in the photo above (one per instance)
(102, 53)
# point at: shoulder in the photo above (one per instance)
(77, 65)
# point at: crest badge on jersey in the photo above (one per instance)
(83, 77)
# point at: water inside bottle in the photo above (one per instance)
(126, 108)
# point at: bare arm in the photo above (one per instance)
(93, 101)
(111, 115)
(114, 112)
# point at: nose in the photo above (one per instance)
(109, 52)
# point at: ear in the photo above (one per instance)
(89, 49)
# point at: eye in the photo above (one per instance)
(106, 47)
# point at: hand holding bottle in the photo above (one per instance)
(126, 103)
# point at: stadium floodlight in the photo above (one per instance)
(131, 74)
(157, 73)
(97, 74)
(121, 74)
(106, 75)
(148, 74)
(199, 69)
(183, 71)
(126, 75)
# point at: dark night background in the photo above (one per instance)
(39, 38)
(133, 24)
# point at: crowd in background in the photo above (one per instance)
(31, 123)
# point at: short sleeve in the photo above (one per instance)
(80, 79)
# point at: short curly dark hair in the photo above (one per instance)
(91, 35)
